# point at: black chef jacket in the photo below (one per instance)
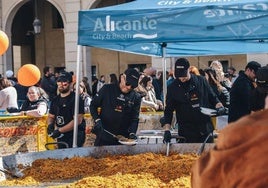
(119, 111)
(186, 99)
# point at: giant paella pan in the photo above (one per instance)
(145, 165)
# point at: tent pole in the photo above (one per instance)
(164, 68)
(76, 96)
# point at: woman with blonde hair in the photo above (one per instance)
(36, 104)
(221, 92)
(84, 95)
(194, 70)
(217, 67)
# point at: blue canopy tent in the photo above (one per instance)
(172, 28)
(187, 27)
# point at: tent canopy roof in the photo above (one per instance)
(186, 27)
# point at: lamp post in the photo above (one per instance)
(37, 26)
(36, 23)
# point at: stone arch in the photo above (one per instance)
(60, 9)
(93, 4)
(11, 10)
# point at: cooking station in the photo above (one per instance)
(156, 136)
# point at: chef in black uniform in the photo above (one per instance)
(119, 110)
(186, 95)
(61, 114)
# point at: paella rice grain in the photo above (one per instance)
(140, 170)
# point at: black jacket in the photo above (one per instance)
(119, 112)
(257, 100)
(240, 94)
(32, 105)
(223, 96)
(186, 99)
(64, 109)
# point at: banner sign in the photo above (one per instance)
(19, 135)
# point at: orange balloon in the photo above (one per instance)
(29, 75)
(4, 42)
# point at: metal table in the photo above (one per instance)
(157, 135)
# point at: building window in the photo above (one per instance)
(94, 71)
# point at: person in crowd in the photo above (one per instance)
(151, 71)
(170, 77)
(186, 95)
(97, 84)
(113, 79)
(48, 83)
(139, 89)
(222, 93)
(220, 76)
(101, 82)
(261, 91)
(86, 83)
(231, 74)
(43, 93)
(94, 85)
(56, 75)
(61, 114)
(84, 95)
(73, 77)
(194, 70)
(8, 96)
(161, 84)
(10, 76)
(21, 93)
(149, 100)
(35, 105)
(57, 72)
(120, 108)
(241, 92)
(202, 72)
(239, 158)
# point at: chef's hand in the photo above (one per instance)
(97, 128)
(167, 137)
(50, 128)
(220, 111)
(56, 134)
(133, 136)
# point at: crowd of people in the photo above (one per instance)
(52, 95)
(115, 105)
(233, 158)
(189, 90)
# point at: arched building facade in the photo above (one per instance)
(56, 45)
